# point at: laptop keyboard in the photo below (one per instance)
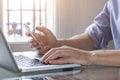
(26, 61)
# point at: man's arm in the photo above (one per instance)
(81, 41)
(105, 57)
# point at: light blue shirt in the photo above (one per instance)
(106, 26)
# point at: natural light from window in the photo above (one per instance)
(32, 12)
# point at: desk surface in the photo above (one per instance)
(92, 73)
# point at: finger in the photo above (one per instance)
(41, 38)
(56, 55)
(49, 57)
(60, 61)
(45, 31)
(43, 50)
(34, 44)
(38, 36)
(50, 52)
(32, 41)
(28, 34)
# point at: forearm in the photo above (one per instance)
(82, 41)
(105, 57)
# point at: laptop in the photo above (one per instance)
(25, 63)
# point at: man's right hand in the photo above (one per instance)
(46, 40)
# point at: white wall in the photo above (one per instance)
(73, 16)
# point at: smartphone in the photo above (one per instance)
(28, 30)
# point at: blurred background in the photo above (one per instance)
(64, 18)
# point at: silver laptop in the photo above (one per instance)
(26, 62)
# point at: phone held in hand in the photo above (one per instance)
(28, 30)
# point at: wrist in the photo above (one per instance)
(60, 42)
(57, 43)
(88, 59)
(92, 57)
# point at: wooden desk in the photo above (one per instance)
(96, 73)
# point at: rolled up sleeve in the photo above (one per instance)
(100, 30)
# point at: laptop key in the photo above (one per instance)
(26, 61)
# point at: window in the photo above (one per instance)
(18, 12)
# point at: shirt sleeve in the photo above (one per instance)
(100, 30)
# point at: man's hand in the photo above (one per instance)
(67, 55)
(46, 40)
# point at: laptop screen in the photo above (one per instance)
(6, 58)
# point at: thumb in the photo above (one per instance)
(51, 39)
(45, 31)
